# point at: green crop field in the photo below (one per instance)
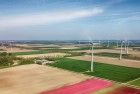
(112, 72)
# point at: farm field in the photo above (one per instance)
(62, 49)
(85, 87)
(113, 51)
(15, 49)
(109, 60)
(69, 47)
(111, 72)
(50, 80)
(70, 71)
(33, 79)
(89, 87)
(43, 51)
(40, 46)
(31, 52)
(117, 55)
(68, 76)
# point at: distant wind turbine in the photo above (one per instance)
(125, 43)
(117, 44)
(11, 47)
(127, 47)
(121, 50)
(108, 43)
(99, 42)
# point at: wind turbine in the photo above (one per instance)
(92, 60)
(11, 47)
(125, 44)
(121, 50)
(127, 47)
(117, 44)
(79, 43)
(99, 43)
(108, 43)
(3, 46)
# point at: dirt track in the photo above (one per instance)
(69, 47)
(108, 60)
(33, 79)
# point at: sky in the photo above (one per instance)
(69, 19)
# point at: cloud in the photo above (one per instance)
(46, 18)
(125, 20)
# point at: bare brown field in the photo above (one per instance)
(37, 45)
(63, 46)
(33, 79)
(15, 49)
(69, 47)
(43, 55)
(109, 60)
(132, 52)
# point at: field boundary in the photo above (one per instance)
(133, 80)
(129, 85)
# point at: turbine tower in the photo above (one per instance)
(92, 62)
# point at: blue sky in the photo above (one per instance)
(69, 19)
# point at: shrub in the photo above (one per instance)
(50, 58)
(75, 54)
(24, 61)
(6, 59)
